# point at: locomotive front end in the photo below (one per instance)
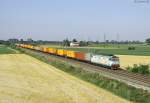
(114, 62)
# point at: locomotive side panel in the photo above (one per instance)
(100, 59)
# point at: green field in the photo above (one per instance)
(7, 50)
(121, 49)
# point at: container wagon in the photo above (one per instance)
(45, 49)
(80, 56)
(52, 51)
(61, 52)
(37, 48)
(70, 54)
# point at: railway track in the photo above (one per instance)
(133, 79)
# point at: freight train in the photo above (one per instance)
(111, 61)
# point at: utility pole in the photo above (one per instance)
(88, 43)
(118, 37)
(104, 39)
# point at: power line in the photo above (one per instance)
(104, 37)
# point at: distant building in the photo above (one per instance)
(74, 44)
(13, 40)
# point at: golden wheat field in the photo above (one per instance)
(24, 79)
(130, 60)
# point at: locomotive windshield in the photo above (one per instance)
(114, 59)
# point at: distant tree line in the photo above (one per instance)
(66, 42)
(120, 42)
(28, 41)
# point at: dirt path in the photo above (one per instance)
(24, 79)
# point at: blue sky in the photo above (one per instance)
(81, 19)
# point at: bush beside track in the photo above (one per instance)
(116, 87)
(142, 69)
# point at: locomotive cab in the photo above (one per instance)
(114, 62)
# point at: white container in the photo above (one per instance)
(37, 48)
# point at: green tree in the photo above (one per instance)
(147, 41)
(74, 40)
(66, 42)
(83, 43)
(142, 69)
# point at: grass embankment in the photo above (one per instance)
(116, 87)
(7, 50)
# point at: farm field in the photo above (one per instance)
(7, 50)
(130, 60)
(51, 45)
(116, 51)
(140, 49)
(24, 79)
